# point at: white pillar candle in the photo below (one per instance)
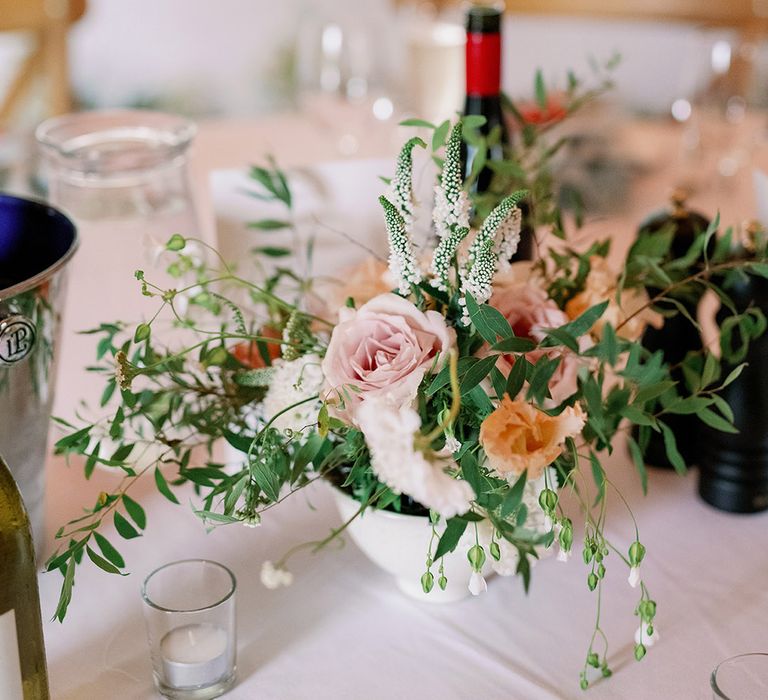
(194, 655)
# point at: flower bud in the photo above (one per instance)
(548, 500)
(427, 582)
(636, 553)
(495, 550)
(639, 651)
(593, 660)
(476, 556)
(601, 571)
(442, 582)
(592, 581)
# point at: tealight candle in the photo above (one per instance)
(190, 614)
(194, 655)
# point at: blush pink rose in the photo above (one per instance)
(383, 349)
(529, 310)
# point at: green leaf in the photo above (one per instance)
(598, 474)
(65, 596)
(135, 511)
(670, 445)
(516, 377)
(652, 391)
(441, 132)
(723, 407)
(122, 452)
(637, 458)
(272, 251)
(538, 384)
(711, 370)
(714, 421)
(107, 393)
(454, 529)
(216, 517)
(124, 528)
(481, 401)
(242, 443)
(418, 122)
(266, 478)
(269, 224)
(540, 89)
(499, 383)
(306, 454)
(637, 416)
(162, 486)
(473, 121)
(514, 345)
(583, 323)
(108, 550)
(476, 373)
(103, 563)
(689, 405)
(514, 496)
(470, 470)
(489, 322)
(71, 440)
(733, 375)
(558, 336)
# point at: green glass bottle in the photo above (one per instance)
(23, 674)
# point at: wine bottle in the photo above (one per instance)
(483, 98)
(23, 674)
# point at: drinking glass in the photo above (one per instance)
(122, 176)
(189, 610)
(743, 677)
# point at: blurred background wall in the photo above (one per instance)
(243, 57)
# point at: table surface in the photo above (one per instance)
(342, 630)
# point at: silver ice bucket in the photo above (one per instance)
(36, 242)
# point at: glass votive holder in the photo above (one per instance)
(742, 677)
(189, 610)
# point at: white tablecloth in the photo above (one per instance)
(343, 630)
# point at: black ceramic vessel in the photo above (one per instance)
(734, 468)
(678, 336)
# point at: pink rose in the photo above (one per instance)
(529, 310)
(383, 349)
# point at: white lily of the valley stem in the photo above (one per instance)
(634, 576)
(477, 584)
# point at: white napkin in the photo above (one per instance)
(335, 203)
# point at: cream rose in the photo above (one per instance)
(629, 316)
(518, 436)
(383, 349)
(528, 309)
(361, 283)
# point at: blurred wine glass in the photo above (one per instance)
(342, 73)
(714, 110)
(743, 677)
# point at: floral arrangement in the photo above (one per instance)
(449, 383)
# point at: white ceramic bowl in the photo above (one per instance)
(398, 544)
